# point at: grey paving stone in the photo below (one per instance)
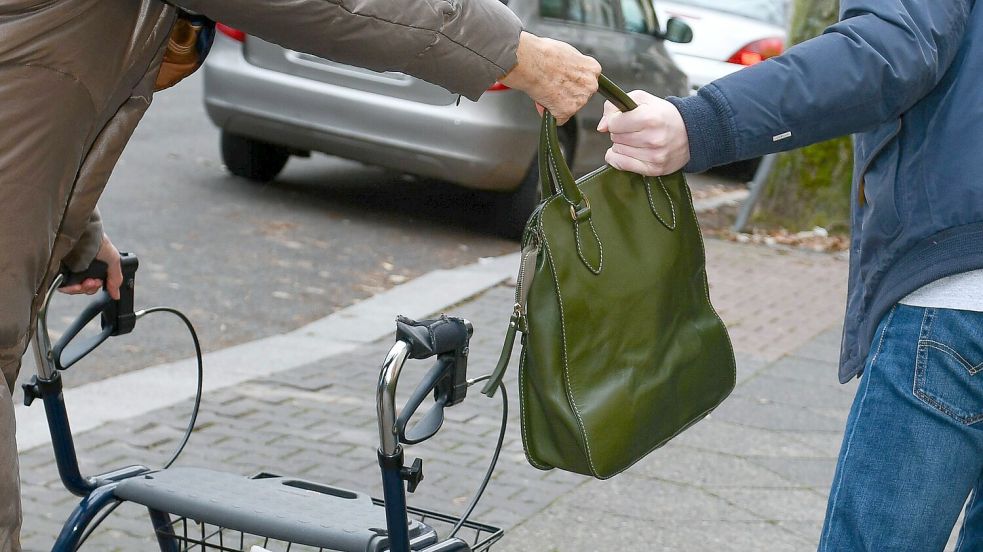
(765, 414)
(647, 500)
(776, 504)
(584, 531)
(808, 472)
(827, 444)
(699, 468)
(823, 347)
(767, 387)
(806, 370)
(725, 437)
(808, 530)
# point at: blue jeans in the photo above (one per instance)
(913, 448)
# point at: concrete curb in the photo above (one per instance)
(152, 388)
(720, 200)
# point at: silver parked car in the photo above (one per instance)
(272, 103)
(730, 35)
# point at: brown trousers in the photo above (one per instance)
(64, 119)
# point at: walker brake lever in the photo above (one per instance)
(118, 317)
(98, 270)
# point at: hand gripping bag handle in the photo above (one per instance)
(551, 160)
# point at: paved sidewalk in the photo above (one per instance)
(753, 476)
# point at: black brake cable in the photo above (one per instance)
(191, 423)
(201, 377)
(494, 460)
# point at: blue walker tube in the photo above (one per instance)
(82, 516)
(394, 493)
(61, 438)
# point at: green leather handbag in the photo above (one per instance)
(621, 348)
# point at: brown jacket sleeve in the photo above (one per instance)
(85, 249)
(462, 45)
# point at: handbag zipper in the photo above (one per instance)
(503, 361)
(517, 323)
(529, 255)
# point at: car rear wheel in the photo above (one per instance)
(508, 212)
(252, 159)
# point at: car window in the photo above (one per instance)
(601, 13)
(775, 12)
(638, 16)
(591, 12)
(568, 10)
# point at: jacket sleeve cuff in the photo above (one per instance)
(709, 127)
(86, 248)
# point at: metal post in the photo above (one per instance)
(757, 186)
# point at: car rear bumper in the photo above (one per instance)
(487, 145)
(702, 71)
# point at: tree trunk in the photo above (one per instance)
(810, 186)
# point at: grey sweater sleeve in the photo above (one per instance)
(462, 45)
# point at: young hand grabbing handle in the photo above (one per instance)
(650, 140)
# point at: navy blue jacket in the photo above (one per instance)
(904, 76)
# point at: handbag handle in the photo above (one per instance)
(551, 161)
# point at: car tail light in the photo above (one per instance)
(234, 34)
(497, 86)
(758, 51)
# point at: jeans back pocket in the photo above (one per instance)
(949, 363)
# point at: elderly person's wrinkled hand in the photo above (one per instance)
(650, 140)
(554, 74)
(114, 277)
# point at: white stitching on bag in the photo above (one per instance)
(672, 208)
(522, 401)
(580, 252)
(706, 284)
(566, 365)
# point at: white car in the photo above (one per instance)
(728, 35)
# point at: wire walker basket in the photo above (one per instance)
(192, 535)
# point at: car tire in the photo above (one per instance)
(252, 159)
(508, 212)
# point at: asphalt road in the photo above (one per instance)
(245, 260)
